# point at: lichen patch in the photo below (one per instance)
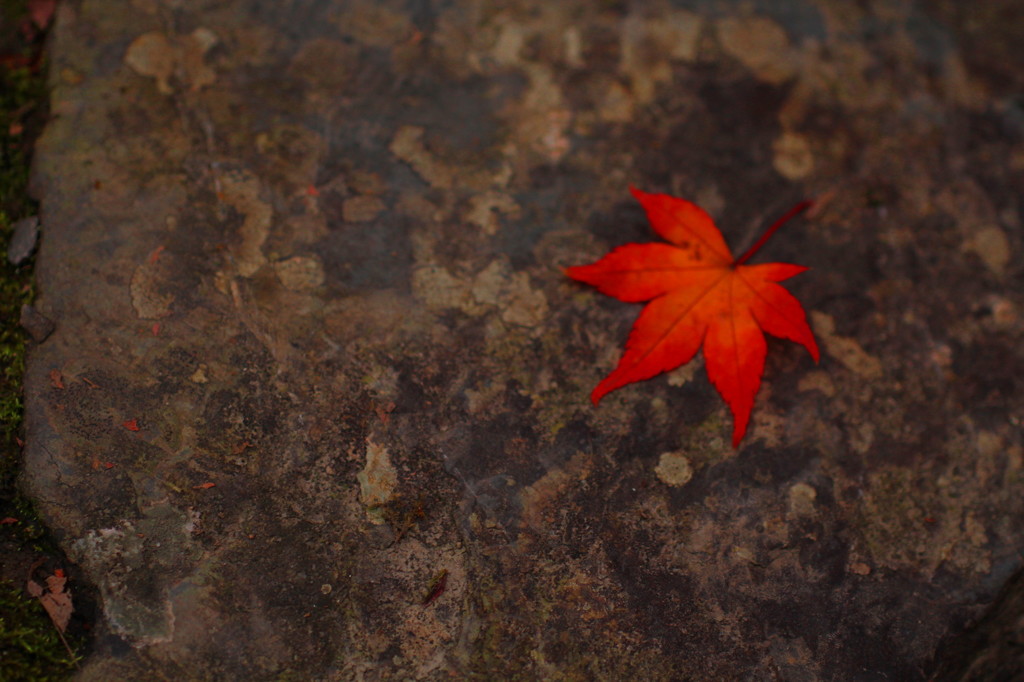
(300, 273)
(674, 469)
(845, 350)
(150, 300)
(760, 44)
(377, 480)
(792, 156)
(155, 55)
(992, 247)
(241, 191)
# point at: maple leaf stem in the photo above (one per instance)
(786, 217)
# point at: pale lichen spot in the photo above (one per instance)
(844, 349)
(674, 469)
(760, 44)
(407, 145)
(377, 480)
(817, 380)
(361, 209)
(801, 499)
(300, 273)
(155, 55)
(149, 299)
(241, 190)
(992, 247)
(684, 374)
(484, 210)
(792, 156)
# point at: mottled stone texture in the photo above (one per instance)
(315, 356)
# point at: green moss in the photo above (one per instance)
(30, 646)
(20, 91)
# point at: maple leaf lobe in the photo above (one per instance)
(699, 296)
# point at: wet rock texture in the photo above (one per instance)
(316, 401)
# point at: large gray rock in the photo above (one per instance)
(315, 357)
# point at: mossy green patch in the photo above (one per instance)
(20, 91)
(30, 646)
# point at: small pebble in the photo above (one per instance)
(38, 326)
(23, 240)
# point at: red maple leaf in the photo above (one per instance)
(699, 296)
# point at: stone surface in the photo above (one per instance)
(318, 358)
(24, 237)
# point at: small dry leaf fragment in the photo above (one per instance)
(204, 486)
(54, 598)
(383, 411)
(56, 378)
(437, 587)
(131, 424)
(41, 12)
